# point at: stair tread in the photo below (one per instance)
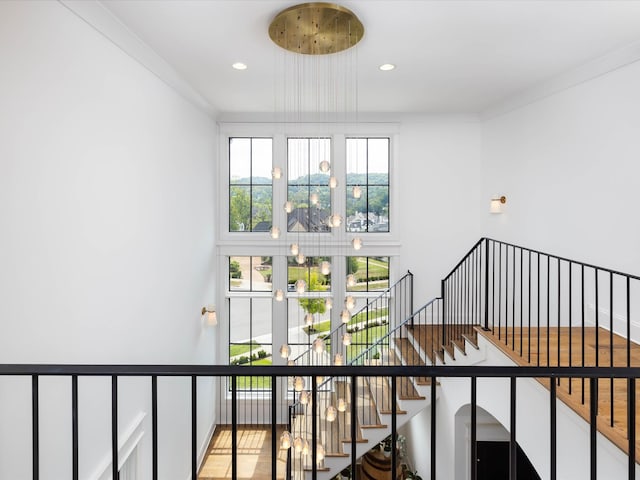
(404, 385)
(559, 340)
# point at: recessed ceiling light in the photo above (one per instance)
(239, 66)
(385, 67)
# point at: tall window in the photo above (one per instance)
(367, 185)
(293, 286)
(308, 188)
(250, 187)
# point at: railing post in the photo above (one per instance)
(486, 285)
(444, 312)
(410, 296)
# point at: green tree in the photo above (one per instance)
(313, 305)
(239, 209)
(352, 264)
(234, 269)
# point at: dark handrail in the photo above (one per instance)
(363, 309)
(382, 340)
(464, 258)
(498, 371)
(563, 259)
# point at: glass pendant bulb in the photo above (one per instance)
(304, 397)
(342, 405)
(357, 243)
(314, 199)
(285, 350)
(319, 380)
(275, 232)
(320, 453)
(298, 384)
(325, 166)
(297, 444)
(305, 448)
(331, 413)
(335, 220)
(285, 440)
(356, 191)
(328, 303)
(279, 295)
(288, 206)
(333, 182)
(318, 345)
(308, 319)
(338, 359)
(349, 302)
(300, 286)
(294, 249)
(276, 172)
(346, 339)
(345, 316)
(351, 280)
(300, 259)
(325, 267)
(291, 363)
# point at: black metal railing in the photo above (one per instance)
(359, 330)
(546, 309)
(396, 372)
(366, 331)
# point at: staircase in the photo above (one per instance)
(538, 309)
(407, 344)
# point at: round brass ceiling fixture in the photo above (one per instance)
(316, 28)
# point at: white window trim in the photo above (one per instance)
(336, 243)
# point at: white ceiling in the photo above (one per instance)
(451, 56)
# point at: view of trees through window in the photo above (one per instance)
(308, 184)
(250, 187)
(367, 185)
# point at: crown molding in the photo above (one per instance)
(97, 16)
(586, 72)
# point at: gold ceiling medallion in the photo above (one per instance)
(316, 28)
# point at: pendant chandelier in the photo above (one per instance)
(319, 83)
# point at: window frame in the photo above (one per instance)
(335, 243)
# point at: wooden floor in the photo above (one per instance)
(254, 454)
(565, 347)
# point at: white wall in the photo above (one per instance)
(568, 165)
(106, 234)
(439, 222)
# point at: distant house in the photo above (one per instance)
(262, 227)
(301, 220)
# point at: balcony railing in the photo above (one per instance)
(154, 372)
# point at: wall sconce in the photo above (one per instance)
(496, 204)
(212, 317)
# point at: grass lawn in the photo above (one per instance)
(240, 348)
(319, 327)
(373, 314)
(296, 273)
(363, 339)
(253, 382)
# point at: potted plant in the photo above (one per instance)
(386, 447)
